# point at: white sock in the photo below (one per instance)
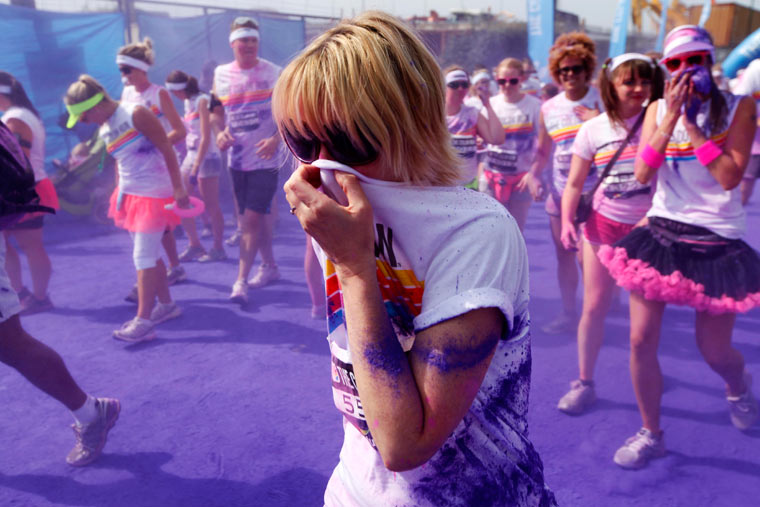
(87, 412)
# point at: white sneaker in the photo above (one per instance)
(744, 409)
(266, 274)
(639, 449)
(239, 293)
(165, 311)
(175, 275)
(580, 397)
(135, 330)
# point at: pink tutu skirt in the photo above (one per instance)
(48, 197)
(142, 214)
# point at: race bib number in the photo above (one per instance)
(346, 396)
(466, 146)
(243, 121)
(503, 161)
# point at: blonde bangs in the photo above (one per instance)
(372, 78)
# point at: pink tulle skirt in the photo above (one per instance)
(48, 197)
(142, 214)
(686, 265)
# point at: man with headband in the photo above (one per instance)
(254, 150)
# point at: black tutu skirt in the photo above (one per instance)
(685, 264)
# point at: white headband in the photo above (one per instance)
(627, 57)
(132, 62)
(175, 86)
(5, 89)
(243, 32)
(456, 75)
(481, 75)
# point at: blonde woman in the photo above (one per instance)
(134, 61)
(427, 282)
(148, 179)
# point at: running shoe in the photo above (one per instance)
(562, 324)
(580, 397)
(239, 293)
(91, 438)
(192, 253)
(266, 274)
(165, 311)
(234, 240)
(639, 449)
(32, 305)
(132, 297)
(175, 275)
(136, 330)
(206, 232)
(744, 409)
(213, 255)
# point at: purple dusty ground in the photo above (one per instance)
(231, 407)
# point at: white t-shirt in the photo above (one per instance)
(686, 191)
(520, 123)
(246, 95)
(150, 98)
(37, 151)
(749, 84)
(563, 124)
(463, 128)
(192, 120)
(620, 197)
(142, 168)
(442, 252)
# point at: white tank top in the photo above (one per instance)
(686, 191)
(149, 98)
(142, 168)
(192, 121)
(37, 151)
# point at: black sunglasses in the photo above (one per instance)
(512, 82)
(458, 84)
(338, 144)
(125, 70)
(574, 69)
(675, 63)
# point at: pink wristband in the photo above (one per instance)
(707, 153)
(652, 157)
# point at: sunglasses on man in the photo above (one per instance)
(512, 82)
(338, 144)
(571, 69)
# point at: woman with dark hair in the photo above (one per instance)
(697, 142)
(626, 82)
(24, 121)
(202, 164)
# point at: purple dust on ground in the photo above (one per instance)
(231, 407)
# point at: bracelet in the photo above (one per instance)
(663, 134)
(708, 152)
(652, 157)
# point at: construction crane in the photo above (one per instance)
(677, 13)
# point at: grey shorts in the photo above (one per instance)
(210, 168)
(254, 190)
(9, 303)
(753, 168)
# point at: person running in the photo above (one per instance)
(134, 61)
(24, 121)
(38, 363)
(428, 320)
(148, 178)
(697, 142)
(626, 83)
(749, 84)
(466, 123)
(255, 152)
(571, 63)
(202, 165)
(507, 165)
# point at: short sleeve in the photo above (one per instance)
(582, 143)
(481, 265)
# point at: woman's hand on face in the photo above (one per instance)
(345, 233)
(569, 236)
(676, 92)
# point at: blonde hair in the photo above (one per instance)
(511, 63)
(372, 78)
(143, 51)
(84, 88)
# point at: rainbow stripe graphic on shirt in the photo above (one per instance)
(189, 117)
(471, 131)
(683, 152)
(155, 110)
(565, 135)
(122, 141)
(518, 128)
(628, 156)
(247, 98)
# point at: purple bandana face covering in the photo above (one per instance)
(702, 81)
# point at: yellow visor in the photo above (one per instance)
(76, 110)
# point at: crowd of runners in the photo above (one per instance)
(413, 185)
